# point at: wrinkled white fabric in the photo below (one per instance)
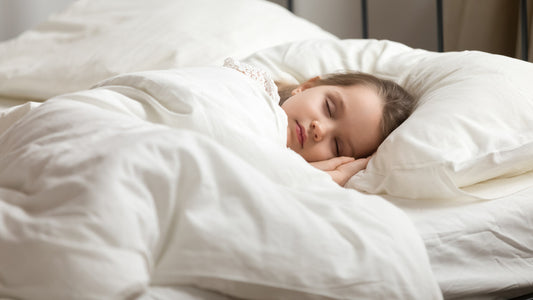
(182, 178)
(92, 40)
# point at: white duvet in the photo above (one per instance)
(181, 178)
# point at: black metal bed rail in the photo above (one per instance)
(523, 29)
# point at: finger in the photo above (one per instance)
(360, 164)
(332, 163)
(342, 159)
(346, 171)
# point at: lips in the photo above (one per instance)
(300, 133)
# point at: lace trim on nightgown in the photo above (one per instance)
(255, 73)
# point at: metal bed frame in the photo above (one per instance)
(440, 27)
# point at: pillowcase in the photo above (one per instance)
(95, 39)
(470, 135)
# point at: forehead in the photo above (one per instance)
(360, 95)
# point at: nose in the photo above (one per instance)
(318, 131)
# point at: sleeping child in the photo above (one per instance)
(336, 121)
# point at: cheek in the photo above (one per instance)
(318, 152)
(289, 106)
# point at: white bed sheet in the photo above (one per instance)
(481, 250)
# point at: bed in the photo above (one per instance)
(134, 166)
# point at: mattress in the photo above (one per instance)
(478, 249)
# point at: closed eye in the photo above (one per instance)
(335, 141)
(328, 107)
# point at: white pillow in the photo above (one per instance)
(95, 39)
(471, 134)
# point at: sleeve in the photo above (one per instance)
(259, 75)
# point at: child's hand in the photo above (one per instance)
(341, 168)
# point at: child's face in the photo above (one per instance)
(328, 121)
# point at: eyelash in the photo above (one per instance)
(335, 139)
(329, 109)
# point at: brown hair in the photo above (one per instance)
(397, 102)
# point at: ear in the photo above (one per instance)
(304, 86)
